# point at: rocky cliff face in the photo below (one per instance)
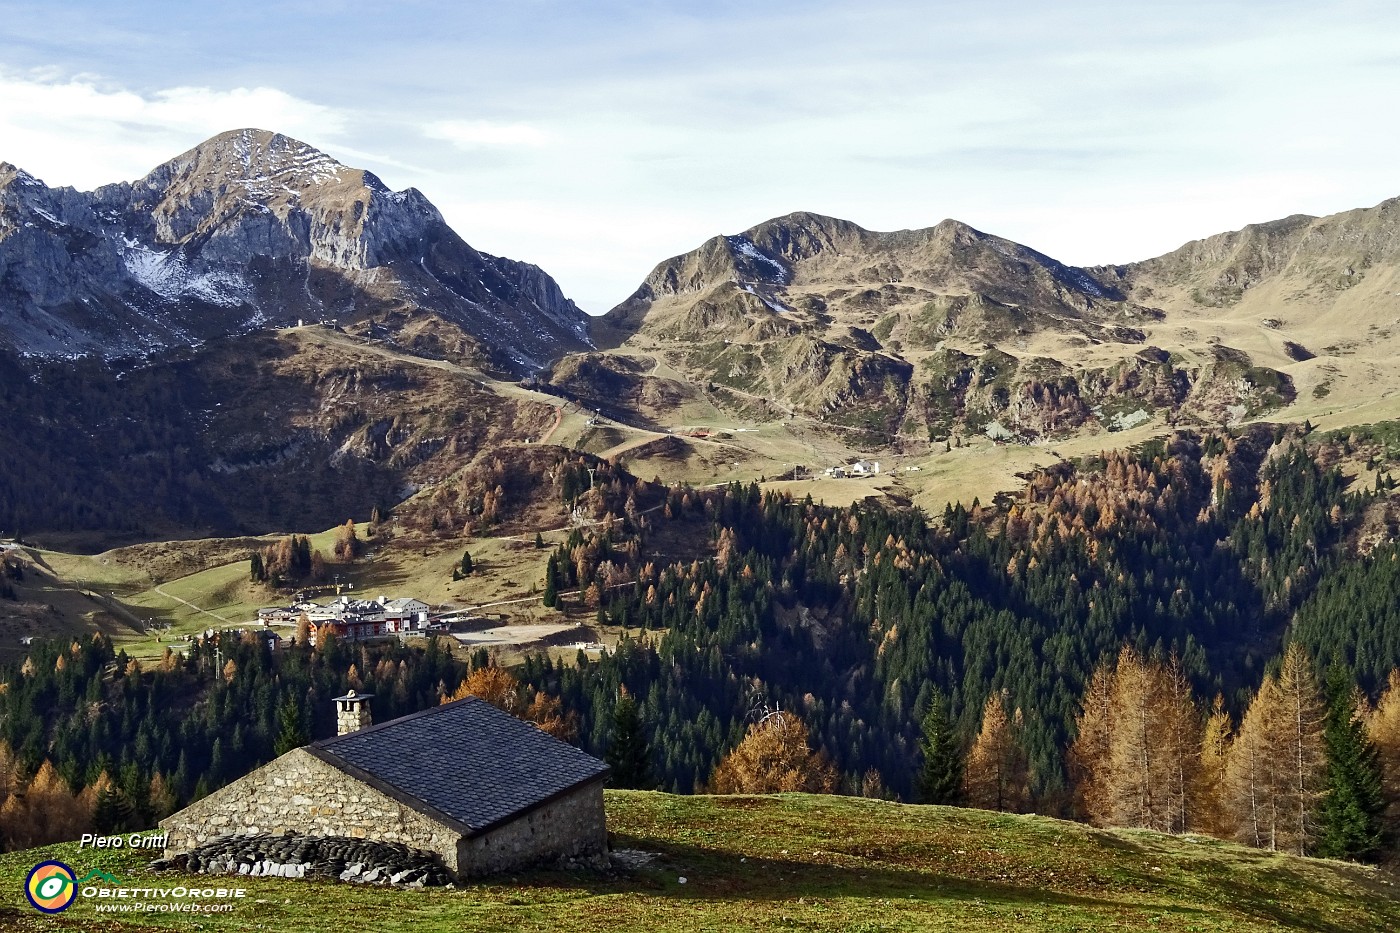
(253, 229)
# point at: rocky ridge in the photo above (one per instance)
(805, 270)
(914, 333)
(1317, 257)
(919, 335)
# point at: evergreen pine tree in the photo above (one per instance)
(215, 774)
(539, 541)
(466, 565)
(551, 591)
(628, 753)
(291, 733)
(1352, 804)
(940, 781)
(180, 781)
(113, 811)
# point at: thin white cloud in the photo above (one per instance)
(78, 131)
(483, 134)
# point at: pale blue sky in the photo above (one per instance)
(597, 139)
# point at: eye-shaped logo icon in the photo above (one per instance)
(51, 887)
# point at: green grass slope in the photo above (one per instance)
(799, 862)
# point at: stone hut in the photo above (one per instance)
(485, 791)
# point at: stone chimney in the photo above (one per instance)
(352, 712)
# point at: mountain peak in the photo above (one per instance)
(802, 220)
(950, 225)
(13, 174)
(252, 156)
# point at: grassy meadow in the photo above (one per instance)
(803, 862)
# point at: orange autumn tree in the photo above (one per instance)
(1156, 749)
(46, 812)
(996, 773)
(1275, 776)
(498, 686)
(1383, 726)
(1217, 740)
(1092, 748)
(774, 757)
(495, 685)
(1136, 756)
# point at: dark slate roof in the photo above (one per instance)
(467, 761)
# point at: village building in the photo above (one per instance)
(355, 619)
(485, 791)
(855, 468)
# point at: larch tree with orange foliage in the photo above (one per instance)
(1092, 746)
(498, 686)
(1252, 778)
(1136, 758)
(1156, 745)
(495, 685)
(997, 772)
(547, 712)
(162, 797)
(774, 757)
(1302, 723)
(1383, 726)
(1216, 740)
(50, 812)
(1276, 772)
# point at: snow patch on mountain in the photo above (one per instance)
(773, 305)
(265, 163)
(1084, 282)
(47, 216)
(169, 276)
(744, 247)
